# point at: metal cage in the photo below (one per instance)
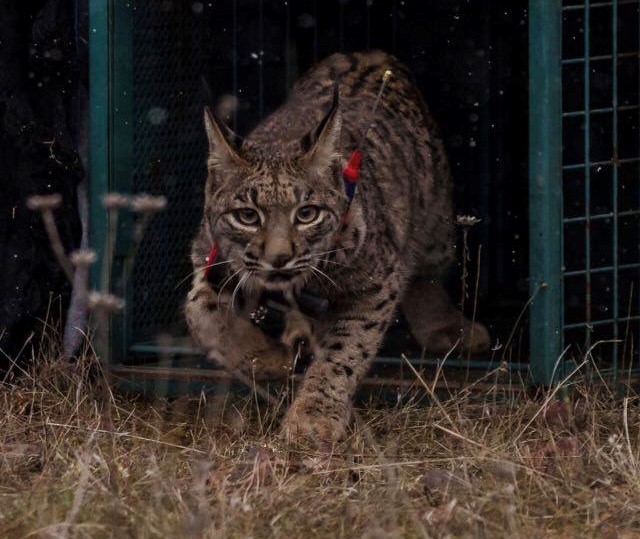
(584, 163)
(154, 64)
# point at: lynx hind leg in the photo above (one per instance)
(437, 324)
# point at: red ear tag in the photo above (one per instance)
(350, 177)
(350, 174)
(210, 260)
(352, 170)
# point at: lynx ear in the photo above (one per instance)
(321, 147)
(222, 143)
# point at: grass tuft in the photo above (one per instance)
(78, 460)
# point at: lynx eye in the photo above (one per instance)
(307, 214)
(247, 216)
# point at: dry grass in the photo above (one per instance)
(77, 461)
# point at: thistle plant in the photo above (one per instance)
(45, 204)
(102, 303)
(466, 222)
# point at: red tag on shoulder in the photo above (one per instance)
(210, 260)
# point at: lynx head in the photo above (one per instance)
(274, 210)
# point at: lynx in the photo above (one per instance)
(278, 213)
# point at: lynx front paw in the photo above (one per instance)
(267, 363)
(270, 363)
(309, 425)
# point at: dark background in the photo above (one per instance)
(42, 127)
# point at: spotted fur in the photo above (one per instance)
(395, 246)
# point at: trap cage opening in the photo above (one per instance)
(538, 103)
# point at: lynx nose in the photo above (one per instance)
(280, 260)
(278, 251)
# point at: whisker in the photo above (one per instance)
(252, 283)
(359, 271)
(238, 287)
(202, 268)
(331, 251)
(349, 266)
(323, 274)
(224, 284)
(316, 255)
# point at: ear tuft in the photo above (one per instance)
(322, 147)
(222, 141)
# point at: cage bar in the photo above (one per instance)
(110, 149)
(121, 141)
(99, 111)
(545, 186)
(587, 169)
(614, 172)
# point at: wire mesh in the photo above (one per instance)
(168, 149)
(601, 180)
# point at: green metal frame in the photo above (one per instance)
(99, 142)
(545, 186)
(111, 165)
(110, 149)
